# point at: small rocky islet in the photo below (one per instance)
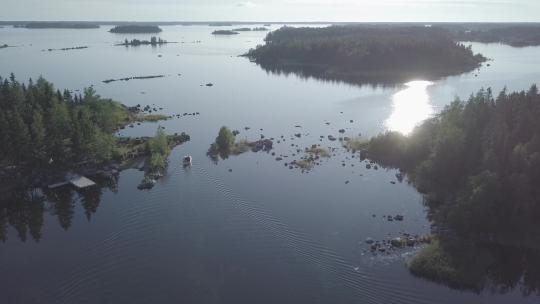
(67, 48)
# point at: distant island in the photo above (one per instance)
(136, 29)
(248, 29)
(363, 54)
(224, 32)
(154, 41)
(3, 46)
(59, 25)
(478, 165)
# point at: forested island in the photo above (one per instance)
(136, 29)
(224, 32)
(3, 46)
(59, 25)
(154, 41)
(362, 54)
(478, 165)
(50, 132)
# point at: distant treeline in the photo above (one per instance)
(65, 25)
(220, 24)
(248, 29)
(350, 50)
(517, 36)
(224, 32)
(136, 29)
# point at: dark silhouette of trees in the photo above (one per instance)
(478, 164)
(45, 127)
(478, 161)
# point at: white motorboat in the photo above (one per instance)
(188, 160)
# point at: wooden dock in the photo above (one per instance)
(58, 185)
(79, 182)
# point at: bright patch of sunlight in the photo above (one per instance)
(410, 107)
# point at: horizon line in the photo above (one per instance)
(271, 22)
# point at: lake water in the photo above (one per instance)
(261, 233)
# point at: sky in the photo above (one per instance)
(273, 10)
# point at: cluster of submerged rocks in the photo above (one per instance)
(390, 218)
(261, 145)
(185, 114)
(300, 158)
(153, 108)
(403, 241)
(146, 109)
(138, 109)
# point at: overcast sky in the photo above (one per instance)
(272, 10)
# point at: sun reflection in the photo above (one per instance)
(410, 107)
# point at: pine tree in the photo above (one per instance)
(38, 135)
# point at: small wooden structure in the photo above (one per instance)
(79, 182)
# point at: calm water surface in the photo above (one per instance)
(259, 234)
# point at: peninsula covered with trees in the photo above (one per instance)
(136, 29)
(45, 129)
(364, 53)
(478, 164)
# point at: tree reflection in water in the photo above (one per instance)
(23, 209)
(482, 266)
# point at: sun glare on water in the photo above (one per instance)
(410, 107)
